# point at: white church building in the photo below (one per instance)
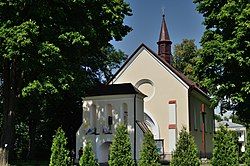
(148, 93)
(103, 109)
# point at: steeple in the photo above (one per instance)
(164, 43)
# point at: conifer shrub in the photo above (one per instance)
(247, 152)
(88, 157)
(120, 149)
(186, 152)
(225, 152)
(149, 155)
(59, 153)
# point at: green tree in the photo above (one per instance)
(236, 119)
(186, 152)
(247, 152)
(217, 117)
(120, 150)
(88, 157)
(223, 66)
(149, 155)
(225, 150)
(185, 56)
(113, 61)
(59, 152)
(52, 50)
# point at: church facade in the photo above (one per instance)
(162, 100)
(104, 108)
(173, 101)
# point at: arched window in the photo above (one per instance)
(109, 117)
(125, 113)
(147, 87)
(92, 119)
(152, 125)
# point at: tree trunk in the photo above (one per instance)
(9, 105)
(32, 134)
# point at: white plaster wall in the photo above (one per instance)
(166, 86)
(152, 124)
(102, 140)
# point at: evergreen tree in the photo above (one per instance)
(225, 152)
(59, 155)
(88, 157)
(186, 152)
(247, 152)
(120, 152)
(149, 155)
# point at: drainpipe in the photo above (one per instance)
(135, 127)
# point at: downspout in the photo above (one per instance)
(135, 127)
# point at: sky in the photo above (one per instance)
(183, 21)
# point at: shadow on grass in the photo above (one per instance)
(29, 163)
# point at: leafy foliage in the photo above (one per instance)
(247, 152)
(88, 157)
(236, 119)
(120, 150)
(223, 66)
(225, 150)
(217, 117)
(113, 62)
(149, 155)
(59, 155)
(185, 57)
(54, 52)
(186, 152)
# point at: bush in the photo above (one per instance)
(247, 152)
(225, 152)
(88, 157)
(59, 155)
(186, 152)
(149, 155)
(120, 152)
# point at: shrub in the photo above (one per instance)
(88, 157)
(225, 152)
(120, 152)
(59, 153)
(186, 152)
(247, 152)
(149, 155)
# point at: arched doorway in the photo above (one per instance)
(104, 152)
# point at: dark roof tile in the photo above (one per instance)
(113, 89)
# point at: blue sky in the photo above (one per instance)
(183, 21)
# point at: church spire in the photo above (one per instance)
(164, 43)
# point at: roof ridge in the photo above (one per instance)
(189, 82)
